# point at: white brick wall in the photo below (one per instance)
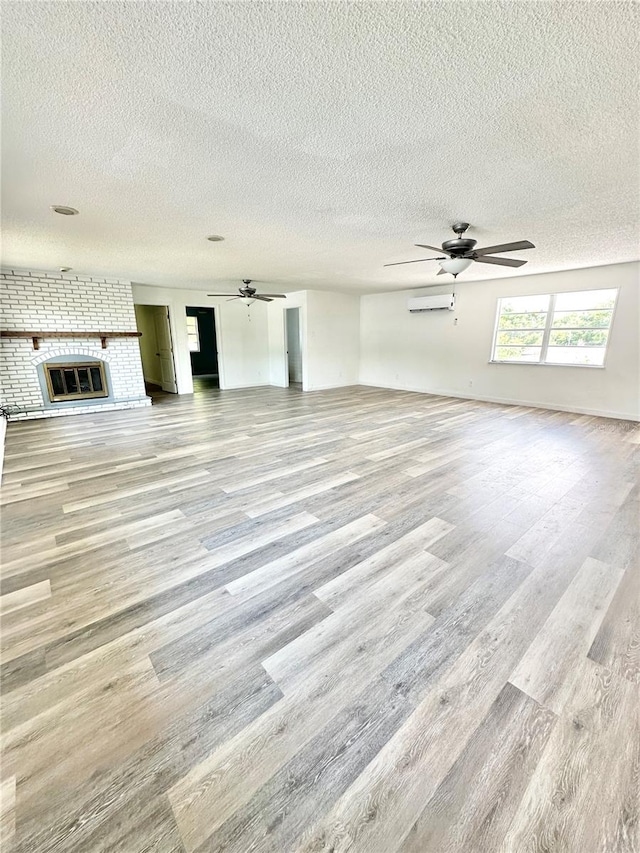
(39, 301)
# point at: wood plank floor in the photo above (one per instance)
(263, 621)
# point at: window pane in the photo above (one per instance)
(56, 382)
(533, 338)
(579, 338)
(595, 318)
(521, 327)
(96, 379)
(576, 355)
(586, 299)
(70, 380)
(518, 353)
(83, 379)
(522, 321)
(193, 338)
(525, 304)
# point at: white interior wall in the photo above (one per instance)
(251, 341)
(241, 332)
(330, 338)
(333, 339)
(376, 341)
(433, 353)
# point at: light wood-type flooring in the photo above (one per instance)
(360, 620)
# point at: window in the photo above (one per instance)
(558, 328)
(192, 334)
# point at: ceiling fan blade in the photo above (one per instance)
(504, 247)
(424, 246)
(261, 298)
(503, 262)
(419, 261)
(223, 294)
(442, 272)
(274, 295)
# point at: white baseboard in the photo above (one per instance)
(329, 387)
(554, 407)
(244, 387)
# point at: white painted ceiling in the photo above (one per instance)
(321, 139)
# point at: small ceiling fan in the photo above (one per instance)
(461, 253)
(248, 294)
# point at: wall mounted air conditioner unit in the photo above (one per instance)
(432, 303)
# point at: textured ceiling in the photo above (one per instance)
(321, 139)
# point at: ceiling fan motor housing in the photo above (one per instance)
(459, 247)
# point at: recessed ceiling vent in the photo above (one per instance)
(64, 210)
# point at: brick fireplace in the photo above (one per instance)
(68, 375)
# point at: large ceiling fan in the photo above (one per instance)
(248, 294)
(461, 253)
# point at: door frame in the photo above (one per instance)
(216, 328)
(167, 311)
(177, 305)
(286, 346)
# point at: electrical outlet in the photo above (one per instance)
(471, 383)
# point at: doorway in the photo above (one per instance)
(293, 347)
(156, 349)
(203, 347)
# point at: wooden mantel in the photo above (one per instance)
(35, 336)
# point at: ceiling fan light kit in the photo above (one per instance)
(455, 265)
(461, 252)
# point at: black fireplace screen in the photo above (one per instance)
(75, 381)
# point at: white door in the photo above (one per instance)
(165, 350)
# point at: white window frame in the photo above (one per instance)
(190, 334)
(548, 328)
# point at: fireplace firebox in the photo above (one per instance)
(75, 381)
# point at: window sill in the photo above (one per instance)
(547, 364)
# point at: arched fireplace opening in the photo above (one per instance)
(71, 379)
